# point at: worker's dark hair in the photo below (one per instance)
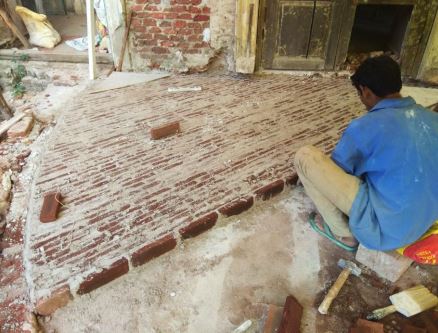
(380, 74)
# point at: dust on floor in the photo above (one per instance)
(218, 280)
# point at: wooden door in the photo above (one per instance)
(300, 34)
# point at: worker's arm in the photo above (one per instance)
(348, 153)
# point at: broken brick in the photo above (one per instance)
(268, 191)
(237, 207)
(292, 313)
(165, 130)
(21, 128)
(153, 250)
(107, 275)
(56, 300)
(273, 319)
(199, 226)
(365, 326)
(50, 208)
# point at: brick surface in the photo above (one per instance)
(50, 208)
(56, 300)
(388, 265)
(268, 191)
(165, 130)
(292, 313)
(153, 250)
(126, 190)
(103, 277)
(236, 207)
(199, 226)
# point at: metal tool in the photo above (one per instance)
(348, 267)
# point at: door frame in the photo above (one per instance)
(411, 56)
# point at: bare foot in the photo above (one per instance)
(349, 241)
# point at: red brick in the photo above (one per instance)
(180, 24)
(50, 208)
(170, 15)
(107, 275)
(160, 50)
(199, 226)
(165, 24)
(195, 38)
(206, 10)
(365, 326)
(149, 22)
(198, 18)
(153, 250)
(292, 313)
(195, 10)
(237, 207)
(158, 16)
(292, 180)
(273, 319)
(185, 16)
(411, 329)
(56, 300)
(167, 44)
(165, 130)
(268, 191)
(196, 2)
(194, 25)
(179, 8)
(154, 30)
(22, 128)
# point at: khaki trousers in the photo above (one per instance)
(329, 186)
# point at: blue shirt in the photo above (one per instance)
(393, 149)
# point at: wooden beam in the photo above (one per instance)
(125, 41)
(246, 35)
(14, 29)
(4, 107)
(91, 31)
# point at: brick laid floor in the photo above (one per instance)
(122, 191)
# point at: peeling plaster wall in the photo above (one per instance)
(222, 23)
(429, 66)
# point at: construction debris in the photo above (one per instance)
(21, 128)
(184, 89)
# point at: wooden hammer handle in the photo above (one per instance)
(334, 291)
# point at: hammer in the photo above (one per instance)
(347, 268)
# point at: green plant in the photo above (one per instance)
(17, 73)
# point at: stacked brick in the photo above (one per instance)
(161, 28)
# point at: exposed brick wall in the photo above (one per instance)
(163, 28)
